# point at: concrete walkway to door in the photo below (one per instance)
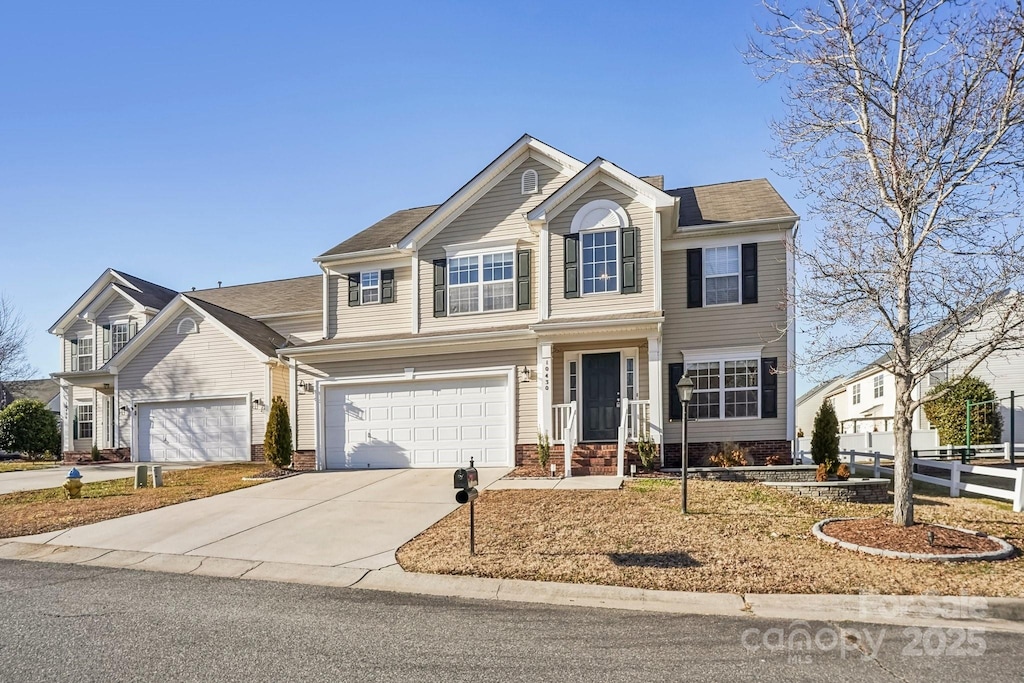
(355, 519)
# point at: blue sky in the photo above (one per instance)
(192, 142)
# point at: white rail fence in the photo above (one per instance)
(873, 462)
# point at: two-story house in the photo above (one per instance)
(546, 296)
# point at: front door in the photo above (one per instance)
(601, 389)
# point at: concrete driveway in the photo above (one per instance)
(352, 519)
(33, 480)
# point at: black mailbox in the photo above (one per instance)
(466, 496)
(466, 478)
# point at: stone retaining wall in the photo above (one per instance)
(850, 491)
(768, 473)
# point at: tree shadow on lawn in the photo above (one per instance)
(676, 560)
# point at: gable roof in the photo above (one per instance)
(741, 200)
(147, 293)
(821, 386)
(274, 297)
(142, 292)
(258, 335)
(384, 233)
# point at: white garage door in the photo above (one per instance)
(194, 430)
(428, 423)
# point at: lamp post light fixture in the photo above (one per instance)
(685, 389)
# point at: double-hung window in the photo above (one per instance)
(85, 353)
(600, 261)
(119, 335)
(724, 389)
(481, 282)
(84, 418)
(879, 386)
(855, 393)
(721, 275)
(369, 287)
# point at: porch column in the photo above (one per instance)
(655, 392)
(67, 419)
(544, 389)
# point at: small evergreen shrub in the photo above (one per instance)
(277, 442)
(543, 450)
(948, 413)
(95, 452)
(825, 440)
(647, 450)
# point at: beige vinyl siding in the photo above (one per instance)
(559, 391)
(85, 395)
(305, 412)
(497, 216)
(118, 309)
(304, 328)
(733, 325)
(176, 366)
(526, 392)
(82, 328)
(641, 217)
(279, 384)
(370, 319)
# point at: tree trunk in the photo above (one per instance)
(903, 481)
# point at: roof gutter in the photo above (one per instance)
(361, 255)
(471, 338)
(739, 224)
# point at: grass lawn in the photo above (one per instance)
(36, 512)
(739, 538)
(21, 465)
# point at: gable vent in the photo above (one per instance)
(529, 182)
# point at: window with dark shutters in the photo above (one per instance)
(769, 387)
(572, 266)
(106, 343)
(694, 278)
(748, 261)
(74, 355)
(387, 286)
(675, 406)
(629, 261)
(440, 275)
(523, 288)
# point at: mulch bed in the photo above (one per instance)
(883, 534)
(276, 473)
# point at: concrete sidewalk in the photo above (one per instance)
(33, 480)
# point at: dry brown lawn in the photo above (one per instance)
(22, 465)
(36, 512)
(739, 538)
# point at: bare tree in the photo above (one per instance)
(14, 363)
(905, 126)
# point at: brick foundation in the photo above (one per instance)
(587, 458)
(106, 455)
(304, 460)
(698, 452)
(256, 452)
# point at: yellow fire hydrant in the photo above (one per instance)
(73, 486)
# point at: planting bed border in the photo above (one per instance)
(1006, 550)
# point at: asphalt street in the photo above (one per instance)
(69, 622)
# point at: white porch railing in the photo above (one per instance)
(620, 451)
(953, 483)
(638, 420)
(564, 431)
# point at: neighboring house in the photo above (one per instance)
(545, 296)
(45, 390)
(808, 403)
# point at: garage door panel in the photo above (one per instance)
(421, 423)
(194, 431)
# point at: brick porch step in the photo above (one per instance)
(596, 471)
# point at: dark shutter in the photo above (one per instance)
(629, 283)
(749, 260)
(74, 428)
(694, 278)
(106, 343)
(440, 274)
(675, 406)
(523, 279)
(74, 355)
(572, 266)
(387, 286)
(769, 387)
(353, 289)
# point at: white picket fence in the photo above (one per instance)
(873, 462)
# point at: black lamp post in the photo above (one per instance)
(685, 388)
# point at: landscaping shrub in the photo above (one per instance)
(843, 472)
(27, 426)
(543, 450)
(648, 451)
(728, 454)
(776, 459)
(95, 453)
(821, 474)
(948, 413)
(277, 442)
(825, 439)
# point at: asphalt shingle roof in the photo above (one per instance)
(384, 232)
(294, 295)
(256, 333)
(742, 200)
(149, 294)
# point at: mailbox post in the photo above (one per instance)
(466, 479)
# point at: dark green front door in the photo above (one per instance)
(601, 390)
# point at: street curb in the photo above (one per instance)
(994, 614)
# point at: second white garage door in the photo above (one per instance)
(194, 430)
(423, 423)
